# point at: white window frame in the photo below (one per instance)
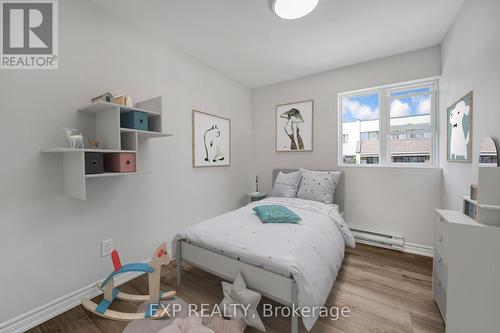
(384, 122)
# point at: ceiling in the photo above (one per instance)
(245, 40)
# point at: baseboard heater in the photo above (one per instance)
(379, 239)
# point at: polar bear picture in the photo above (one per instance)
(211, 140)
(460, 130)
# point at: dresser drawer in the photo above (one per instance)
(441, 237)
(439, 295)
(440, 269)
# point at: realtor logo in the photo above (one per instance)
(29, 34)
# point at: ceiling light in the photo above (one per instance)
(293, 9)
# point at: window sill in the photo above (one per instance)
(390, 166)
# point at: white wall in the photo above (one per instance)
(392, 200)
(49, 243)
(471, 61)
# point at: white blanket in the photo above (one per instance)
(312, 251)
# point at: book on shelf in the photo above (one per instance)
(470, 210)
(473, 192)
(122, 100)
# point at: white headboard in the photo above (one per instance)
(338, 197)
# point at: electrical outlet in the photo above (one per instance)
(106, 247)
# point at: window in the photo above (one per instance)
(410, 125)
(360, 117)
(390, 125)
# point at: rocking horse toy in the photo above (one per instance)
(153, 268)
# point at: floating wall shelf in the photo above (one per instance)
(112, 139)
(72, 150)
(114, 174)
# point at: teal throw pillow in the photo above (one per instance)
(276, 214)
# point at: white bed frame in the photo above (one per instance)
(281, 288)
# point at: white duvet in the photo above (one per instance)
(312, 251)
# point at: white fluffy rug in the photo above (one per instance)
(153, 326)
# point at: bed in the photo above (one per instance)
(296, 269)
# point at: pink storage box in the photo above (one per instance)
(119, 162)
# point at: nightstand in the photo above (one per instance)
(256, 196)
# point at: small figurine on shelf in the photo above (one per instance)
(93, 144)
(106, 97)
(74, 137)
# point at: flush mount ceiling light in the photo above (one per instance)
(293, 9)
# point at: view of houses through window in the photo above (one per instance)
(408, 134)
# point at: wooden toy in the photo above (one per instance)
(153, 268)
(106, 97)
(93, 143)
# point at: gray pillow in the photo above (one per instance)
(286, 185)
(318, 185)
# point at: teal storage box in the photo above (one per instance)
(134, 119)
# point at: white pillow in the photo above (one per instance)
(318, 185)
(286, 185)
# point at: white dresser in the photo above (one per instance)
(466, 273)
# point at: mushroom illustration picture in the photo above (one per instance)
(211, 140)
(294, 126)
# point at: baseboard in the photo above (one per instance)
(422, 250)
(52, 309)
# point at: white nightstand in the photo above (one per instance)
(256, 196)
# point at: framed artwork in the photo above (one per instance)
(459, 134)
(211, 140)
(294, 127)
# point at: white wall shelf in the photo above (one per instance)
(112, 139)
(115, 174)
(144, 134)
(101, 106)
(71, 150)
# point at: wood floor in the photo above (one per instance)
(387, 291)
